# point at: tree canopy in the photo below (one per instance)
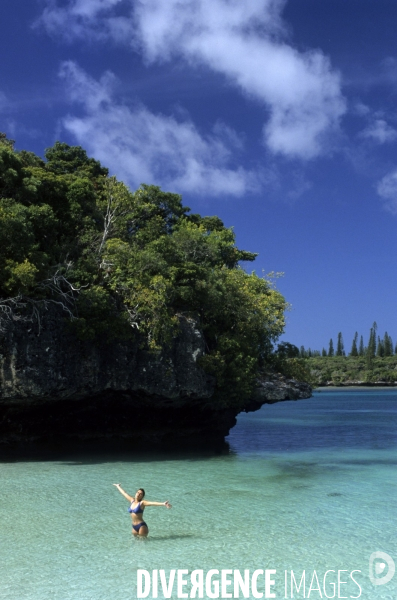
(130, 263)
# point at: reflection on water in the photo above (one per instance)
(94, 452)
(306, 485)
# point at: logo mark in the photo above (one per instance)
(376, 568)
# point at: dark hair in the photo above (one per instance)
(143, 492)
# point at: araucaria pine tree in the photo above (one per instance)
(331, 351)
(371, 348)
(361, 349)
(375, 330)
(387, 345)
(340, 349)
(354, 351)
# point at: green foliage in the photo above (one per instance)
(371, 348)
(287, 360)
(23, 248)
(387, 345)
(354, 351)
(352, 369)
(98, 318)
(4, 141)
(380, 349)
(130, 264)
(340, 348)
(287, 350)
(63, 159)
(297, 368)
(242, 315)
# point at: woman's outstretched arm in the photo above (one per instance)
(127, 496)
(147, 503)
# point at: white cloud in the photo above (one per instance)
(380, 131)
(361, 110)
(387, 189)
(239, 40)
(244, 41)
(86, 19)
(143, 147)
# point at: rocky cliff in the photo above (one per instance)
(55, 386)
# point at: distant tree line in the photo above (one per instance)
(376, 346)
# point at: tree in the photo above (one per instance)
(361, 349)
(371, 343)
(331, 348)
(340, 350)
(387, 345)
(371, 348)
(374, 338)
(64, 159)
(287, 350)
(118, 205)
(5, 141)
(380, 349)
(323, 352)
(354, 351)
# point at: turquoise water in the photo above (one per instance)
(308, 485)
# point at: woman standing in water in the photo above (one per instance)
(137, 506)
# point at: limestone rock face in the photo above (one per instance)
(52, 363)
(278, 388)
(53, 386)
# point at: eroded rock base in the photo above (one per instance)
(137, 418)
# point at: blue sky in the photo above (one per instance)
(278, 116)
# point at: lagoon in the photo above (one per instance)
(303, 486)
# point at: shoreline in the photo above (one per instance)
(358, 385)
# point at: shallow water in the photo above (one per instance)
(308, 485)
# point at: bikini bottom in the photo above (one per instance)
(138, 526)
